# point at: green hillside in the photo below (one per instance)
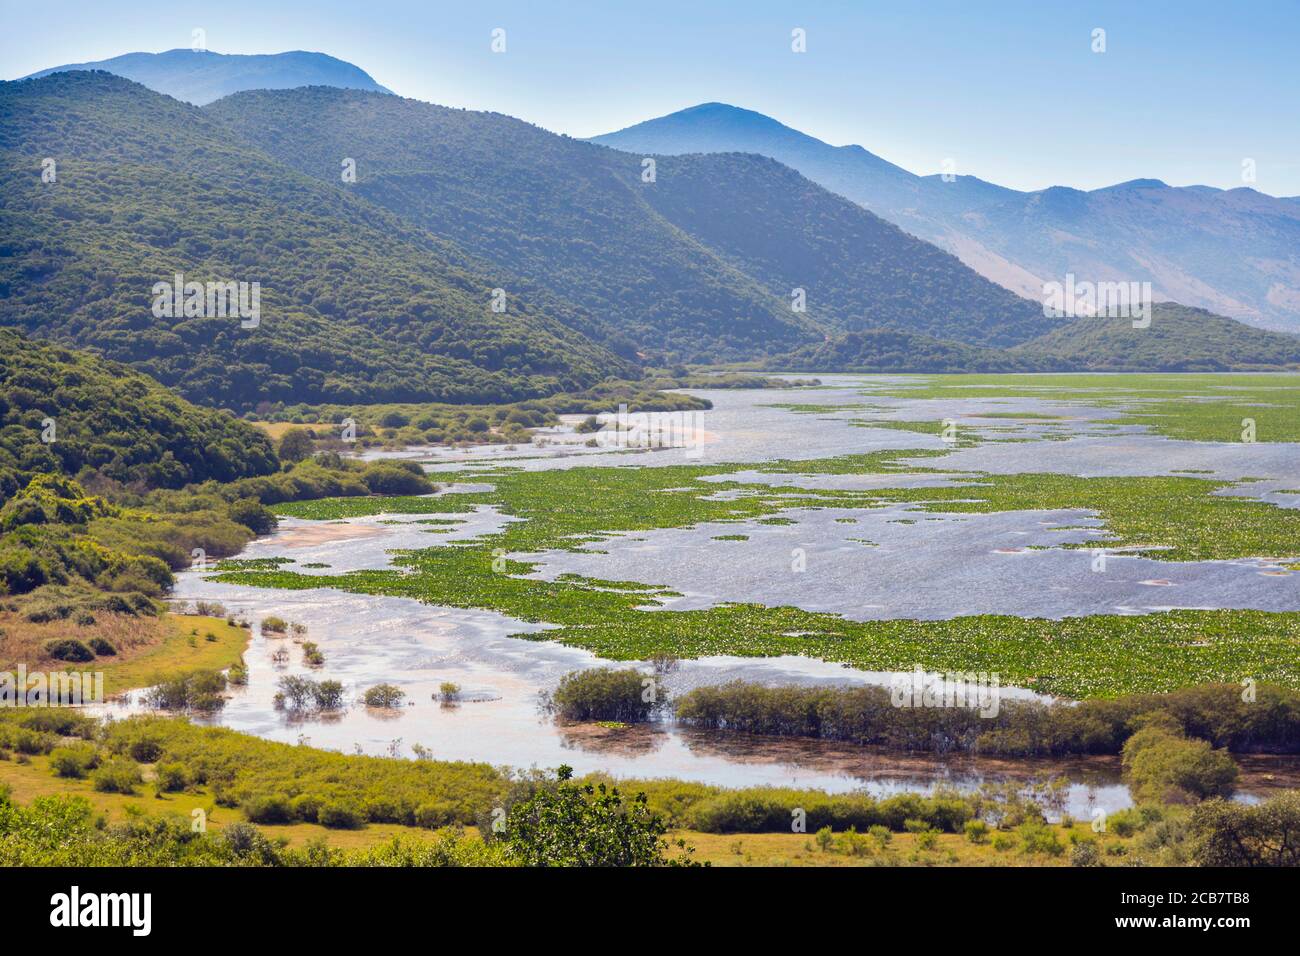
(1179, 339)
(888, 350)
(698, 265)
(356, 305)
(111, 418)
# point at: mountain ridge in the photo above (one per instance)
(202, 76)
(1231, 251)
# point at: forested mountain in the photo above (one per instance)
(61, 411)
(699, 264)
(356, 304)
(1179, 339)
(201, 76)
(1235, 252)
(889, 350)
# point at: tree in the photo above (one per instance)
(583, 825)
(296, 444)
(1235, 834)
(253, 515)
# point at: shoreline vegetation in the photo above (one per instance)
(81, 792)
(91, 538)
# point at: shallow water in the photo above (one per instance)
(889, 562)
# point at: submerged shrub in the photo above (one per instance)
(384, 695)
(604, 693)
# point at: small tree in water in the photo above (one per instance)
(571, 824)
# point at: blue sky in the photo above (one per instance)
(1011, 90)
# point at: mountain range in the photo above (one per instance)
(407, 252)
(201, 76)
(1235, 252)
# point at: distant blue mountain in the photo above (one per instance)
(1235, 251)
(201, 77)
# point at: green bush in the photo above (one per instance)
(603, 693)
(269, 808)
(69, 649)
(1085, 853)
(977, 831)
(171, 777)
(102, 647)
(75, 761)
(117, 776)
(1036, 837)
(1160, 764)
(384, 695)
(1235, 834)
(340, 816)
(253, 515)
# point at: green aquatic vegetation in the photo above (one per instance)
(730, 537)
(1194, 407)
(1101, 655)
(1173, 518)
(328, 509)
(963, 436)
(251, 564)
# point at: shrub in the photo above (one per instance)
(340, 816)
(171, 777)
(1036, 837)
(1160, 764)
(384, 695)
(102, 647)
(269, 808)
(1234, 834)
(825, 838)
(73, 762)
(328, 695)
(449, 692)
(1085, 853)
(568, 824)
(201, 691)
(977, 831)
(391, 478)
(117, 776)
(296, 444)
(274, 625)
(604, 693)
(69, 649)
(253, 515)
(434, 815)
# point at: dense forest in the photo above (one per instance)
(1179, 339)
(698, 265)
(109, 482)
(356, 304)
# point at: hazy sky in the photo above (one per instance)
(1011, 91)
